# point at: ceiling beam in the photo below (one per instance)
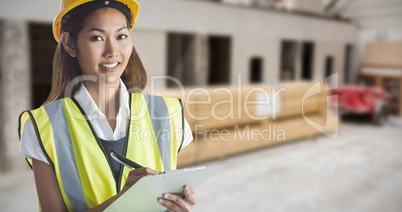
(374, 12)
(371, 4)
(330, 5)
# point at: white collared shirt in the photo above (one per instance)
(29, 146)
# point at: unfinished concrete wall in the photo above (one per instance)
(180, 61)
(201, 60)
(324, 50)
(151, 47)
(246, 47)
(269, 49)
(2, 142)
(15, 88)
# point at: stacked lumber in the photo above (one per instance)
(218, 107)
(228, 120)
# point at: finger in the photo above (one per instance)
(176, 199)
(189, 195)
(167, 207)
(170, 205)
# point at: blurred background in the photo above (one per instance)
(349, 160)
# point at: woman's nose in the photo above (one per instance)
(111, 49)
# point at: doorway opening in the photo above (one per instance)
(329, 66)
(256, 70)
(219, 60)
(180, 56)
(347, 76)
(307, 61)
(42, 47)
(288, 60)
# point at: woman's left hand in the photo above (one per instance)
(175, 203)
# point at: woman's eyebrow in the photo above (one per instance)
(96, 29)
(103, 31)
(125, 27)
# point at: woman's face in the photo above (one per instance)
(104, 46)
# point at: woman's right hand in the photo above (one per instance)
(132, 178)
(49, 193)
(136, 175)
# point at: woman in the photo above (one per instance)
(89, 112)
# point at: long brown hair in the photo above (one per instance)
(67, 68)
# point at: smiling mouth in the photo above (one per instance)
(109, 65)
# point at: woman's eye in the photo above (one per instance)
(122, 37)
(96, 38)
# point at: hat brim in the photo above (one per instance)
(132, 5)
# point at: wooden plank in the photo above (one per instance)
(383, 54)
(238, 131)
(187, 155)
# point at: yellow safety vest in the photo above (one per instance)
(154, 137)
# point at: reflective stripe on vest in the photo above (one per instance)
(153, 139)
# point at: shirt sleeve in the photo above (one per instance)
(29, 144)
(188, 134)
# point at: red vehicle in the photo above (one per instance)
(362, 100)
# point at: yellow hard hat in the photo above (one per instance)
(67, 5)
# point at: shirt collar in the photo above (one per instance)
(89, 106)
(124, 96)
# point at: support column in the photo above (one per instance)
(15, 92)
(201, 60)
(187, 60)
